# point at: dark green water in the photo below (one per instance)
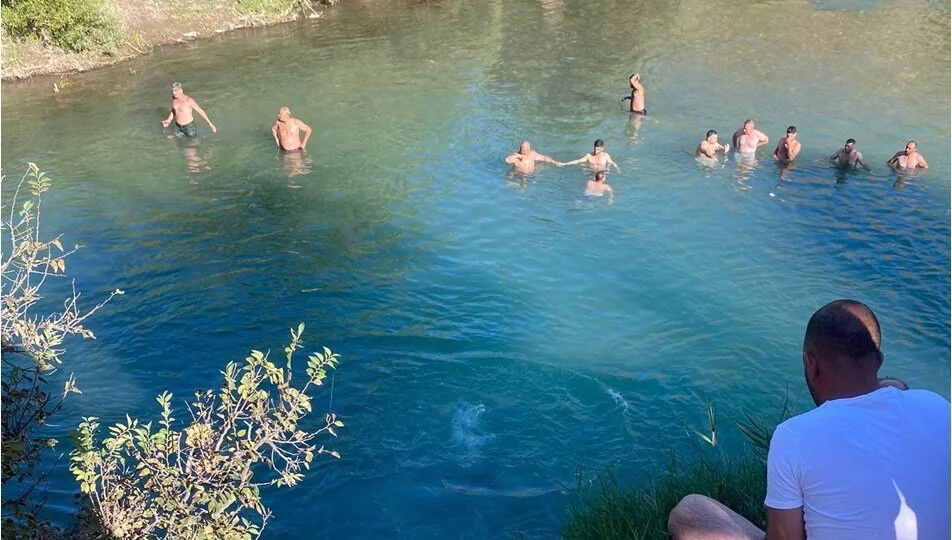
(497, 336)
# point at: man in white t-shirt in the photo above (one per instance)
(871, 461)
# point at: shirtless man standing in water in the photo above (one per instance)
(598, 187)
(849, 156)
(709, 147)
(287, 132)
(182, 107)
(747, 139)
(524, 159)
(637, 97)
(910, 158)
(789, 147)
(598, 159)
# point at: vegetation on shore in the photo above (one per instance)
(608, 511)
(59, 36)
(197, 478)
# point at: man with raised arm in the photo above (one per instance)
(524, 159)
(871, 461)
(787, 147)
(598, 159)
(287, 132)
(849, 157)
(637, 97)
(910, 158)
(182, 107)
(709, 147)
(747, 139)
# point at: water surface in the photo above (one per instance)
(497, 334)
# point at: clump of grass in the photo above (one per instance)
(75, 25)
(609, 511)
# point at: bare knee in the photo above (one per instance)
(697, 517)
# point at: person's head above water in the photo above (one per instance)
(524, 148)
(792, 130)
(841, 351)
(711, 133)
(599, 146)
(911, 147)
(600, 176)
(894, 382)
(748, 126)
(850, 143)
(284, 113)
(177, 89)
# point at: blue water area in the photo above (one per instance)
(501, 336)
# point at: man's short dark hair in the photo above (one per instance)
(599, 176)
(845, 329)
(599, 143)
(894, 382)
(748, 121)
(709, 133)
(851, 141)
(791, 130)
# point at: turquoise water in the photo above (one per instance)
(500, 335)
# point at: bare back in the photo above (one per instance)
(289, 133)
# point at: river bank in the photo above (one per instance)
(152, 23)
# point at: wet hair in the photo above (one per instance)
(748, 121)
(176, 86)
(894, 382)
(600, 176)
(599, 143)
(844, 329)
(851, 141)
(709, 133)
(913, 142)
(791, 130)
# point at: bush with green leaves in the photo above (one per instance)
(32, 349)
(76, 25)
(200, 480)
(203, 480)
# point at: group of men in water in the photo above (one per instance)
(748, 139)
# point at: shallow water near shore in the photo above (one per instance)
(499, 335)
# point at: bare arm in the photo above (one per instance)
(307, 132)
(167, 121)
(705, 150)
(610, 162)
(201, 112)
(776, 152)
(543, 158)
(582, 159)
(764, 139)
(922, 162)
(512, 158)
(861, 163)
(274, 133)
(895, 159)
(785, 524)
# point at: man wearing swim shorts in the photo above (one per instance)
(287, 132)
(182, 107)
(910, 158)
(849, 156)
(747, 139)
(637, 98)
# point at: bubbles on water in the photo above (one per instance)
(466, 430)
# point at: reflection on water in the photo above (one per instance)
(497, 338)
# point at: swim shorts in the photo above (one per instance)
(188, 130)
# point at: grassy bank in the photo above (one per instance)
(44, 37)
(609, 511)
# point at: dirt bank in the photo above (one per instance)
(146, 24)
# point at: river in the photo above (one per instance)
(499, 335)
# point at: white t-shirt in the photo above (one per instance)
(872, 466)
